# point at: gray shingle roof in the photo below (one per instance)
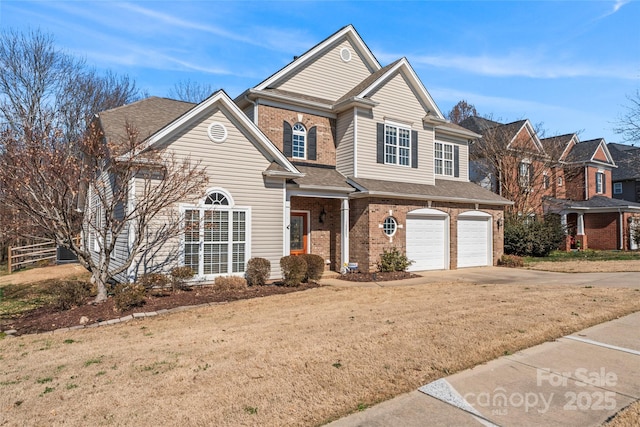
(557, 144)
(628, 160)
(367, 82)
(443, 190)
(583, 151)
(317, 177)
(595, 202)
(147, 116)
(478, 124)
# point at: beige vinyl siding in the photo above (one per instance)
(236, 167)
(328, 76)
(397, 103)
(344, 138)
(463, 148)
(249, 112)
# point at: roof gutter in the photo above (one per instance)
(385, 194)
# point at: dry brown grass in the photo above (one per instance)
(628, 417)
(297, 359)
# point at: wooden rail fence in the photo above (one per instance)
(23, 255)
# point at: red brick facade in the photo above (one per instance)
(271, 120)
(367, 239)
(324, 236)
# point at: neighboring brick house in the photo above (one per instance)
(560, 175)
(334, 155)
(510, 160)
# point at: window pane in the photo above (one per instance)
(298, 142)
(239, 226)
(238, 257)
(438, 150)
(448, 167)
(438, 166)
(448, 152)
(403, 156)
(216, 226)
(216, 258)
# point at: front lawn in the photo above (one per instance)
(587, 255)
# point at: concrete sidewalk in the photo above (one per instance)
(578, 380)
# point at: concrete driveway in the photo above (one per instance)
(502, 275)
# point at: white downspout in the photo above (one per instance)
(621, 229)
(344, 233)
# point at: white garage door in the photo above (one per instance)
(474, 239)
(428, 240)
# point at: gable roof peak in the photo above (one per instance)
(347, 31)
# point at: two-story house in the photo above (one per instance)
(334, 155)
(559, 174)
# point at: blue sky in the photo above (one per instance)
(568, 65)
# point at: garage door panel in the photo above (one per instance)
(427, 243)
(474, 244)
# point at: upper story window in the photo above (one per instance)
(560, 181)
(298, 147)
(600, 182)
(545, 181)
(617, 188)
(443, 159)
(525, 174)
(397, 145)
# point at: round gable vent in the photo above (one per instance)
(217, 132)
(345, 54)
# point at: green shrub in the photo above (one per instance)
(179, 277)
(533, 237)
(294, 269)
(70, 293)
(229, 283)
(128, 295)
(393, 260)
(315, 267)
(258, 271)
(511, 261)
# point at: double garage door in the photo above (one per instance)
(428, 239)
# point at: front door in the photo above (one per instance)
(299, 221)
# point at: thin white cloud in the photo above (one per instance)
(518, 65)
(617, 5)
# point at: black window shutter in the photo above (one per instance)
(414, 149)
(311, 143)
(287, 139)
(380, 142)
(456, 161)
(604, 183)
(530, 174)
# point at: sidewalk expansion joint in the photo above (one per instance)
(601, 344)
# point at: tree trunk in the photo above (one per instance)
(101, 285)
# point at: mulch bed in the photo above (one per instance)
(377, 276)
(48, 318)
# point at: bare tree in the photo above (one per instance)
(43, 87)
(191, 91)
(628, 124)
(514, 165)
(47, 94)
(461, 111)
(44, 182)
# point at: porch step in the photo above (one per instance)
(328, 274)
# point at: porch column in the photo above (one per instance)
(563, 221)
(621, 231)
(344, 233)
(580, 230)
(286, 241)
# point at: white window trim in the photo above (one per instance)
(528, 176)
(600, 182)
(305, 140)
(443, 159)
(398, 126)
(617, 188)
(201, 208)
(395, 226)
